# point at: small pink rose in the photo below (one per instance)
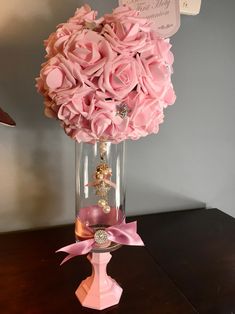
(51, 109)
(90, 50)
(170, 97)
(108, 125)
(83, 14)
(57, 40)
(57, 76)
(81, 135)
(126, 15)
(120, 77)
(126, 31)
(79, 106)
(161, 48)
(145, 116)
(155, 77)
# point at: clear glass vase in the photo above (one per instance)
(100, 189)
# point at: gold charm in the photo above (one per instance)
(102, 182)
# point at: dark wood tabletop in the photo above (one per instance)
(187, 266)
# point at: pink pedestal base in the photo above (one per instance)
(99, 291)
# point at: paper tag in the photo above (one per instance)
(165, 14)
(190, 7)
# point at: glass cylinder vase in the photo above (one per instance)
(100, 189)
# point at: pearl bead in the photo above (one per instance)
(106, 209)
(102, 203)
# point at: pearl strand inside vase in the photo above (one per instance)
(102, 179)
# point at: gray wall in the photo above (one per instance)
(189, 164)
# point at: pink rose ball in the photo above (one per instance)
(108, 78)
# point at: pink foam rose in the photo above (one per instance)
(51, 109)
(160, 47)
(81, 135)
(87, 18)
(155, 76)
(106, 111)
(170, 97)
(124, 14)
(120, 76)
(74, 116)
(58, 75)
(83, 14)
(95, 115)
(108, 125)
(57, 40)
(72, 94)
(81, 105)
(90, 50)
(162, 50)
(126, 31)
(145, 116)
(81, 132)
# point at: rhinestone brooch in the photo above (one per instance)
(123, 110)
(101, 236)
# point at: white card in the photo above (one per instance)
(190, 7)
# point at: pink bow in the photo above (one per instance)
(124, 233)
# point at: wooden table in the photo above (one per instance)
(187, 266)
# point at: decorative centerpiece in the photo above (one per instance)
(106, 80)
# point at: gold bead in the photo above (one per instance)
(105, 172)
(102, 203)
(99, 176)
(103, 148)
(106, 209)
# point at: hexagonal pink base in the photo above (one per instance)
(99, 291)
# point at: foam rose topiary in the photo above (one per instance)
(107, 78)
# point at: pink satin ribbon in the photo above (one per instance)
(124, 233)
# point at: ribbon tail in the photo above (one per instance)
(112, 184)
(76, 249)
(68, 257)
